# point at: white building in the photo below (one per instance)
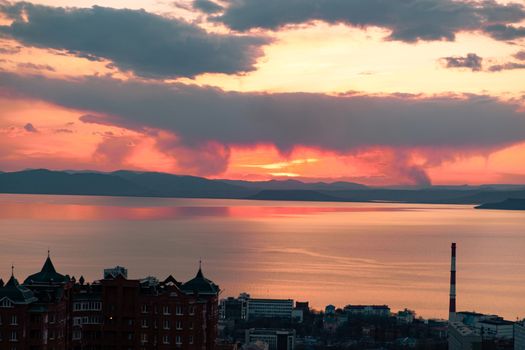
(368, 310)
(490, 326)
(406, 316)
(277, 339)
(463, 337)
(496, 328)
(519, 335)
(115, 271)
(269, 308)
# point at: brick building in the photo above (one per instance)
(50, 311)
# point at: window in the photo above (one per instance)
(14, 320)
(192, 309)
(130, 336)
(178, 310)
(178, 340)
(166, 310)
(77, 334)
(145, 308)
(6, 303)
(165, 339)
(14, 336)
(144, 323)
(167, 324)
(190, 339)
(179, 325)
(52, 318)
(144, 338)
(191, 325)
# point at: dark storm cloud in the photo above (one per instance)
(203, 115)
(148, 44)
(470, 61)
(207, 6)
(505, 32)
(409, 20)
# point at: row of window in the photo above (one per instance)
(13, 320)
(93, 319)
(166, 324)
(13, 336)
(166, 310)
(87, 306)
(166, 339)
(6, 303)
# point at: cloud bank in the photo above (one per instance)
(150, 45)
(408, 20)
(200, 115)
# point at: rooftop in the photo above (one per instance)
(201, 285)
(48, 275)
(16, 293)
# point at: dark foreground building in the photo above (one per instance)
(50, 311)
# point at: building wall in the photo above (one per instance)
(461, 337)
(14, 327)
(519, 336)
(270, 308)
(275, 338)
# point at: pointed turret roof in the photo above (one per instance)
(47, 275)
(200, 284)
(17, 293)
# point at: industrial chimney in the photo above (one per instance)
(452, 304)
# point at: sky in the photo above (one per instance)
(380, 92)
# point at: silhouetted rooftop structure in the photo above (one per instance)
(200, 284)
(48, 275)
(16, 293)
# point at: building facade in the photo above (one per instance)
(50, 311)
(368, 310)
(276, 339)
(463, 337)
(269, 308)
(519, 335)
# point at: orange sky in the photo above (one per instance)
(319, 57)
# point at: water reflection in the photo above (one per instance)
(106, 208)
(337, 253)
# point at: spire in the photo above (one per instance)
(199, 273)
(48, 265)
(12, 270)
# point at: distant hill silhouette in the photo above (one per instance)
(153, 184)
(295, 195)
(297, 185)
(508, 204)
(43, 181)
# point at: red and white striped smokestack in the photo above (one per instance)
(452, 304)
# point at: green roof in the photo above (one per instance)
(201, 285)
(17, 293)
(48, 275)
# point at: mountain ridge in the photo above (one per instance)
(156, 184)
